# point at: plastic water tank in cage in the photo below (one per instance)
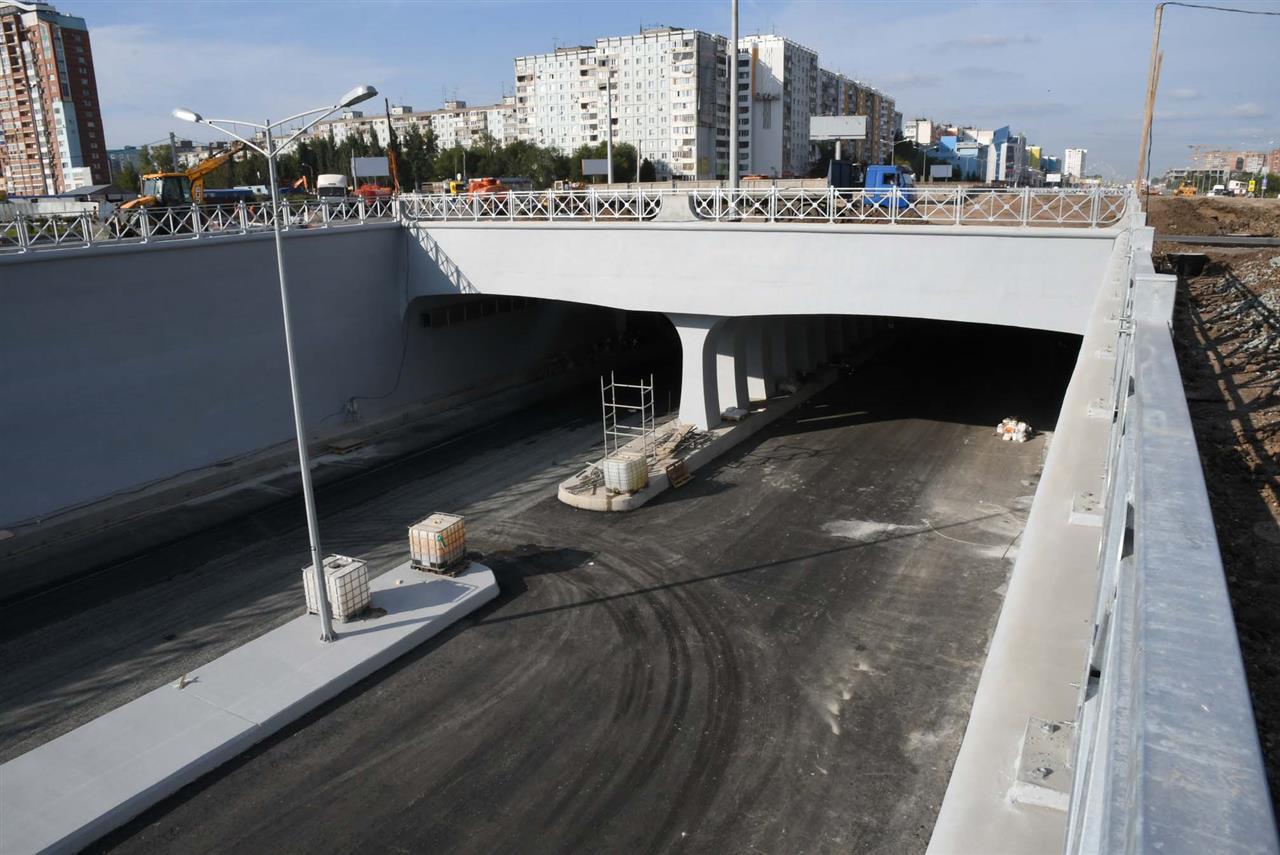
(347, 581)
(625, 473)
(438, 542)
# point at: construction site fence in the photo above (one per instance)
(1166, 755)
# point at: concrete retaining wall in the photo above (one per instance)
(124, 365)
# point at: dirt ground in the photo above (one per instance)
(1227, 334)
(1204, 215)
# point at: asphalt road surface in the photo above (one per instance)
(778, 657)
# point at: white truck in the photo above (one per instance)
(331, 187)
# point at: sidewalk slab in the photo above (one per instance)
(69, 792)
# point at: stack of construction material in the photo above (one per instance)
(438, 543)
(625, 473)
(1012, 430)
(346, 582)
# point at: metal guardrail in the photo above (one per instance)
(549, 205)
(1025, 207)
(34, 233)
(1099, 207)
(1166, 750)
(1095, 208)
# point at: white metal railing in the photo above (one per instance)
(1166, 754)
(1095, 207)
(590, 205)
(1025, 207)
(33, 233)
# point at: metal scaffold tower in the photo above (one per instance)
(628, 415)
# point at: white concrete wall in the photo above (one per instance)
(1036, 278)
(125, 365)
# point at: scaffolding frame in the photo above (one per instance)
(619, 416)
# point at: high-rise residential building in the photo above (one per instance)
(669, 98)
(1073, 162)
(455, 124)
(779, 84)
(51, 135)
(1273, 161)
(1229, 160)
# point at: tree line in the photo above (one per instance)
(420, 161)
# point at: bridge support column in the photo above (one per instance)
(761, 377)
(699, 397)
(731, 364)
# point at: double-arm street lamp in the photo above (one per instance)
(270, 149)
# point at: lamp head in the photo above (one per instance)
(355, 96)
(186, 115)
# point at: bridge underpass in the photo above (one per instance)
(778, 656)
(1094, 281)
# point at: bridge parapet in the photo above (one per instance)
(1099, 207)
(1166, 753)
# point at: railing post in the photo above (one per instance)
(1093, 207)
(242, 216)
(360, 209)
(593, 204)
(959, 203)
(1026, 204)
(144, 220)
(24, 239)
(195, 221)
(87, 225)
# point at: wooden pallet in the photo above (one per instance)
(677, 474)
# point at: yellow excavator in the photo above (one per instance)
(169, 189)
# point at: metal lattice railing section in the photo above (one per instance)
(33, 233)
(549, 205)
(1094, 208)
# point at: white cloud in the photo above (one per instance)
(908, 79)
(1184, 94)
(988, 40)
(1247, 110)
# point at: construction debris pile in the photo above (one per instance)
(1012, 430)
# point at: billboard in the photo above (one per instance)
(370, 167)
(939, 171)
(595, 166)
(837, 128)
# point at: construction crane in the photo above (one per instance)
(167, 189)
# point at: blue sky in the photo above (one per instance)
(1066, 74)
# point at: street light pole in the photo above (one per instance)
(608, 97)
(270, 152)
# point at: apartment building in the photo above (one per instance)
(51, 134)
(665, 86)
(670, 99)
(779, 86)
(1073, 162)
(455, 124)
(843, 96)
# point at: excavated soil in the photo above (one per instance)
(1205, 215)
(1227, 334)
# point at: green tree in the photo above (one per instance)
(647, 171)
(128, 178)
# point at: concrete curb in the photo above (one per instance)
(69, 792)
(763, 414)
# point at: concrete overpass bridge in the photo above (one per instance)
(1112, 712)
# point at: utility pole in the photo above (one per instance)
(173, 150)
(733, 97)
(608, 97)
(1153, 77)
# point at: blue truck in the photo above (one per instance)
(887, 185)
